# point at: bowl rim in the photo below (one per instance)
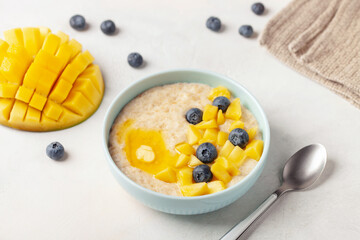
(105, 133)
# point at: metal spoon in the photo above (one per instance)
(300, 172)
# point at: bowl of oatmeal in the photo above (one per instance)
(186, 141)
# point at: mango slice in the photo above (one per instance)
(196, 189)
(46, 81)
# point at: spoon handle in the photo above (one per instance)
(238, 230)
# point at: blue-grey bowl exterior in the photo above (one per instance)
(186, 205)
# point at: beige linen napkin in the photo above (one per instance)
(320, 39)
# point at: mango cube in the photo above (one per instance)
(210, 112)
(194, 161)
(5, 108)
(64, 54)
(237, 156)
(14, 36)
(60, 91)
(193, 135)
(75, 47)
(52, 110)
(228, 165)
(45, 81)
(19, 54)
(32, 40)
(18, 111)
(220, 172)
(216, 186)
(252, 133)
(185, 148)
(44, 31)
(234, 110)
(219, 91)
(167, 175)
(185, 176)
(48, 61)
(78, 103)
(222, 137)
(182, 161)
(12, 70)
(51, 43)
(63, 36)
(32, 76)
(207, 124)
(254, 149)
(236, 124)
(38, 101)
(210, 135)
(220, 119)
(87, 88)
(24, 94)
(3, 47)
(32, 115)
(8, 90)
(196, 189)
(94, 74)
(226, 149)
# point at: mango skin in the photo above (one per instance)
(38, 84)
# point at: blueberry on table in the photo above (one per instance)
(258, 8)
(194, 116)
(202, 173)
(206, 152)
(55, 151)
(108, 27)
(78, 22)
(222, 103)
(239, 137)
(214, 24)
(246, 31)
(135, 60)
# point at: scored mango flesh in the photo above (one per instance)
(46, 81)
(146, 149)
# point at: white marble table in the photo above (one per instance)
(80, 199)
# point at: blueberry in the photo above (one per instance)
(202, 173)
(55, 150)
(78, 22)
(246, 31)
(194, 116)
(222, 103)
(214, 24)
(258, 8)
(108, 27)
(135, 60)
(239, 137)
(206, 152)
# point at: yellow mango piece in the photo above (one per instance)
(196, 189)
(45, 121)
(185, 148)
(194, 161)
(254, 149)
(19, 54)
(52, 110)
(14, 36)
(78, 65)
(70, 73)
(210, 112)
(32, 75)
(222, 137)
(12, 70)
(220, 172)
(216, 186)
(167, 175)
(24, 94)
(51, 43)
(63, 36)
(18, 112)
(44, 31)
(185, 176)
(252, 133)
(3, 47)
(75, 46)
(32, 115)
(207, 124)
(38, 101)
(5, 108)
(60, 91)
(219, 91)
(45, 81)
(210, 135)
(236, 124)
(48, 61)
(226, 149)
(220, 119)
(193, 135)
(231, 168)
(87, 88)
(78, 103)
(94, 74)
(234, 110)
(237, 156)
(32, 40)
(182, 161)
(64, 54)
(8, 90)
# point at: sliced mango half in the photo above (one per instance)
(46, 81)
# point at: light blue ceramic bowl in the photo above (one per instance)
(186, 205)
